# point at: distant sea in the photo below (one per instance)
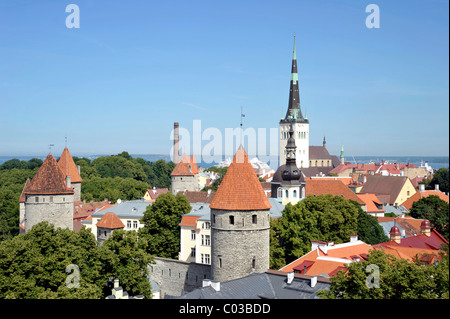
(435, 162)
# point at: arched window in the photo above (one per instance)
(287, 193)
(295, 193)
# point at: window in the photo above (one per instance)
(231, 220)
(128, 223)
(279, 192)
(254, 219)
(207, 240)
(43, 199)
(407, 193)
(214, 219)
(287, 193)
(295, 193)
(36, 199)
(207, 259)
(253, 262)
(192, 234)
(51, 199)
(192, 252)
(207, 225)
(219, 258)
(135, 224)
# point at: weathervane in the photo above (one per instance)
(50, 148)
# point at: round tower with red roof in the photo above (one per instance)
(240, 223)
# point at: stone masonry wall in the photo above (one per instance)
(176, 277)
(55, 209)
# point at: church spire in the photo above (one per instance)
(294, 112)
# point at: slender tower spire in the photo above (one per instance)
(294, 112)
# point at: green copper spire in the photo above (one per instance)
(294, 112)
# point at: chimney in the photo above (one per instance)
(422, 188)
(395, 234)
(79, 169)
(425, 227)
(353, 238)
(290, 277)
(436, 187)
(68, 181)
(176, 140)
(116, 283)
(313, 281)
(213, 283)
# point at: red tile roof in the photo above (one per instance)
(371, 201)
(185, 167)
(22, 198)
(190, 221)
(154, 193)
(49, 179)
(240, 188)
(333, 187)
(110, 221)
(418, 195)
(420, 241)
(68, 166)
(198, 196)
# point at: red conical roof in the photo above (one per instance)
(49, 179)
(68, 166)
(240, 188)
(110, 221)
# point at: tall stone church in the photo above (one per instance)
(312, 160)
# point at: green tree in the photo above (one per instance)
(440, 177)
(324, 218)
(435, 210)
(161, 220)
(34, 264)
(369, 231)
(127, 259)
(390, 278)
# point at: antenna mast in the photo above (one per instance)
(242, 115)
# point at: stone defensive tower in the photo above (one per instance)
(69, 168)
(240, 223)
(49, 197)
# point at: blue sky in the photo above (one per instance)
(135, 67)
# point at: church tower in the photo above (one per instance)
(300, 123)
(293, 182)
(240, 223)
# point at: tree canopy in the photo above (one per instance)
(42, 264)
(435, 210)
(440, 177)
(161, 220)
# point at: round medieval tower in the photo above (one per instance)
(240, 223)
